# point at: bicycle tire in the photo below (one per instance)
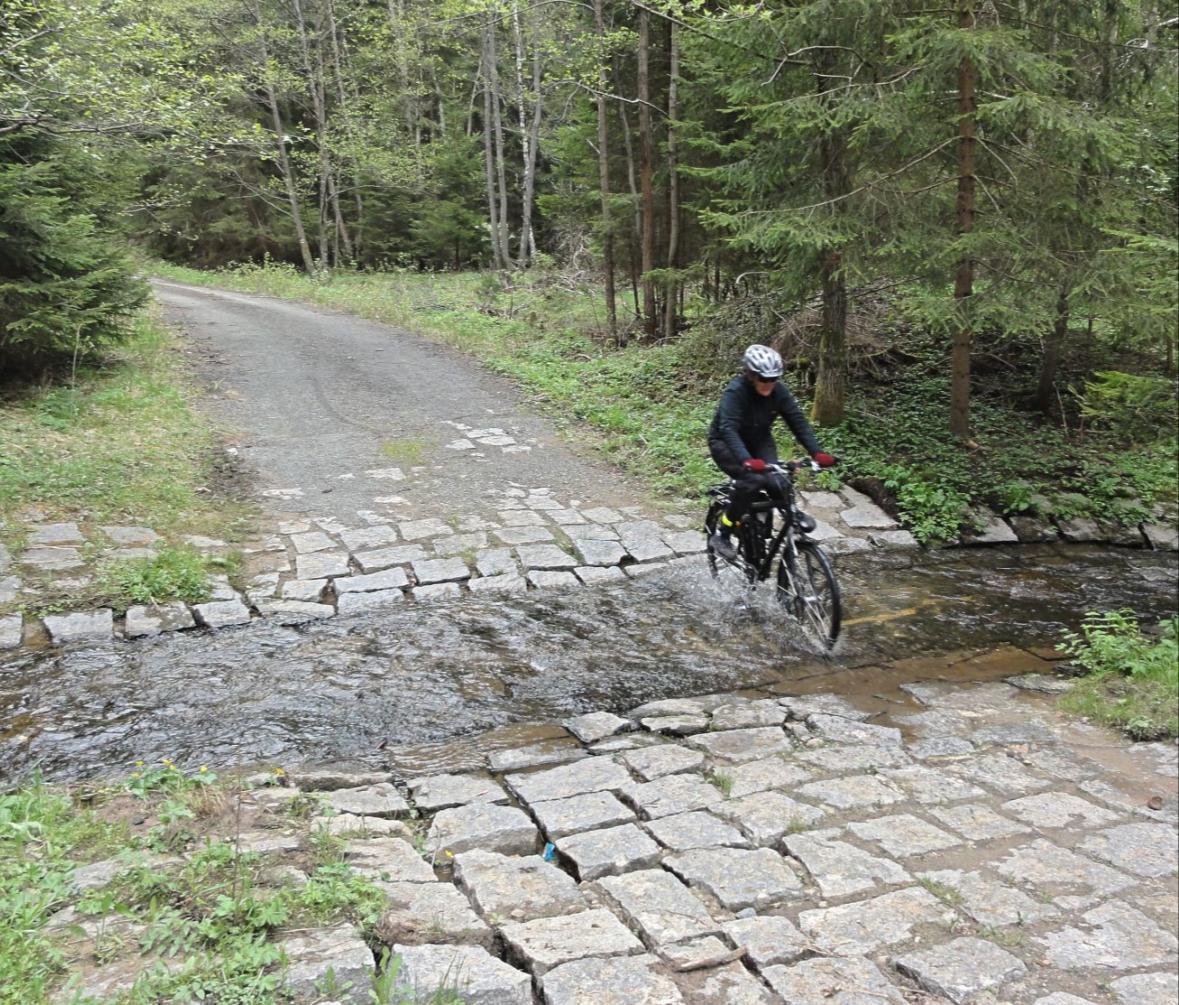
(808, 589)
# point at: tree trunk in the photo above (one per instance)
(964, 276)
(497, 119)
(1109, 39)
(311, 70)
(525, 247)
(636, 209)
(670, 325)
(352, 242)
(646, 161)
(604, 180)
(489, 164)
(408, 110)
(1053, 347)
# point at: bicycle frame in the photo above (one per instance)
(766, 561)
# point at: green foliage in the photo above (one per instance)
(173, 573)
(1136, 408)
(1133, 681)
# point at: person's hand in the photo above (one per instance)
(824, 460)
(754, 464)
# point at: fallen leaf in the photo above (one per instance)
(1155, 802)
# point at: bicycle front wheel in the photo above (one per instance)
(807, 588)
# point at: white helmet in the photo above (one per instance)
(763, 361)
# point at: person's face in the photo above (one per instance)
(764, 385)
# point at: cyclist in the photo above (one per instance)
(740, 441)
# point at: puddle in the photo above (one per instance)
(415, 683)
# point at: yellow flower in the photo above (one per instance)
(279, 771)
(204, 769)
(139, 764)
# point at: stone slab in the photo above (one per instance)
(987, 901)
(321, 565)
(504, 583)
(978, 822)
(545, 943)
(596, 726)
(1147, 989)
(903, 835)
(552, 580)
(545, 557)
(1050, 810)
(867, 926)
(440, 570)
(310, 956)
(833, 981)
(768, 939)
(764, 775)
(630, 980)
(516, 888)
(469, 971)
(608, 852)
(356, 603)
(424, 913)
(961, 968)
(695, 829)
(385, 558)
(440, 792)
(662, 759)
(1051, 869)
(1115, 937)
(487, 826)
(380, 800)
(658, 906)
(153, 619)
(82, 626)
(594, 774)
(1144, 849)
(671, 794)
(221, 613)
(855, 792)
(738, 878)
(11, 631)
(295, 612)
(841, 869)
(388, 858)
(765, 817)
(588, 811)
(387, 579)
(739, 745)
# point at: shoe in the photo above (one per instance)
(722, 545)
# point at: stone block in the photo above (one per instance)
(1049, 868)
(658, 906)
(311, 956)
(311, 779)
(380, 800)
(55, 533)
(545, 943)
(833, 981)
(522, 518)
(748, 715)
(512, 888)
(840, 869)
(739, 745)
(695, 829)
(590, 574)
(11, 631)
(1115, 936)
(586, 812)
(152, 619)
(596, 726)
(440, 570)
(643, 539)
(930, 786)
(387, 579)
(737, 878)
(470, 972)
(662, 759)
(592, 552)
(435, 592)
(508, 583)
(768, 939)
(671, 794)
(416, 530)
(675, 725)
(1147, 989)
(321, 565)
(385, 558)
(842, 759)
(978, 822)
(839, 729)
(630, 980)
(867, 516)
(496, 562)
(368, 538)
(602, 514)
(131, 536)
(311, 541)
(310, 590)
(608, 852)
(482, 826)
(868, 926)
(356, 603)
(545, 557)
(389, 858)
(989, 902)
(549, 580)
(50, 559)
(993, 529)
(594, 774)
(1144, 849)
(765, 817)
(83, 626)
(961, 968)
(855, 792)
(903, 835)
(440, 792)
(1048, 810)
(295, 612)
(535, 755)
(424, 913)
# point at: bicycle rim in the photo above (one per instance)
(807, 588)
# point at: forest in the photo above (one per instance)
(964, 216)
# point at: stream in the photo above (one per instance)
(429, 677)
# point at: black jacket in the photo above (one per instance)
(743, 418)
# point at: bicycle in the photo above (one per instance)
(806, 585)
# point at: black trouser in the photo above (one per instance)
(747, 483)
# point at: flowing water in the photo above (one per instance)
(427, 678)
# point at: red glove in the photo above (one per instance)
(824, 460)
(754, 464)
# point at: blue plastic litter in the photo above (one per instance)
(550, 851)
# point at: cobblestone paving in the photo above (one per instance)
(789, 852)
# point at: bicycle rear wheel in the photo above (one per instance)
(808, 589)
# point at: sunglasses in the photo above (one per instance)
(765, 380)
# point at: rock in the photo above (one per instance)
(834, 981)
(841, 869)
(440, 792)
(1116, 937)
(903, 835)
(590, 574)
(671, 794)
(482, 825)
(385, 558)
(311, 541)
(619, 981)
(55, 533)
(992, 529)
(1147, 989)
(368, 538)
(356, 603)
(349, 825)
(423, 913)
(534, 756)
(506, 887)
(608, 852)
(545, 943)
(295, 612)
(867, 926)
(852, 792)
(696, 829)
(131, 535)
(522, 535)
(596, 726)
(961, 968)
(989, 902)
(221, 613)
(83, 626)
(768, 940)
(390, 858)
(545, 557)
(594, 774)
(1048, 868)
(330, 779)
(552, 580)
(387, 579)
(586, 812)
(1081, 529)
(52, 559)
(1049, 810)
(340, 950)
(738, 745)
(893, 539)
(1146, 850)
(736, 877)
(1161, 537)
(498, 584)
(764, 817)
(659, 906)
(675, 725)
(322, 565)
(435, 592)
(597, 553)
(11, 631)
(662, 759)
(1041, 683)
(469, 971)
(867, 516)
(380, 800)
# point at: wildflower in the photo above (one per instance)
(204, 769)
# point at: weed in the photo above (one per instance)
(406, 452)
(173, 573)
(722, 782)
(946, 894)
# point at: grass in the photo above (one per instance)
(1132, 679)
(204, 926)
(120, 444)
(649, 405)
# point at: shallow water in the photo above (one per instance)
(426, 678)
